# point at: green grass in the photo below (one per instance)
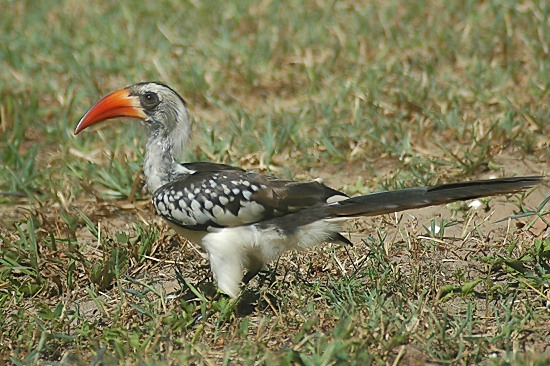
(370, 95)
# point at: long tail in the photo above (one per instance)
(406, 199)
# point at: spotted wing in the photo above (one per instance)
(211, 197)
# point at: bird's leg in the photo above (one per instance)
(250, 275)
(254, 264)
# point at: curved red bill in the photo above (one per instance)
(117, 104)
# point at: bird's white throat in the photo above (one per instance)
(160, 166)
(165, 143)
(159, 163)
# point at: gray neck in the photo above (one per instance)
(159, 166)
(166, 141)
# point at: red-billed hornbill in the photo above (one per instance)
(244, 219)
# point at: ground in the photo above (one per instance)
(364, 95)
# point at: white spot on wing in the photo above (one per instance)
(183, 218)
(183, 170)
(217, 211)
(196, 206)
(224, 217)
(201, 217)
(225, 189)
(250, 211)
(336, 198)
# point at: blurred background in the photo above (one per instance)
(453, 85)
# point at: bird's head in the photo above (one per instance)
(162, 110)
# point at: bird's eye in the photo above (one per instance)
(149, 100)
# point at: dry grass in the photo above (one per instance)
(366, 95)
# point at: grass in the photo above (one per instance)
(368, 96)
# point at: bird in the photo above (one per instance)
(245, 219)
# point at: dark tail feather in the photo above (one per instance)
(405, 199)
